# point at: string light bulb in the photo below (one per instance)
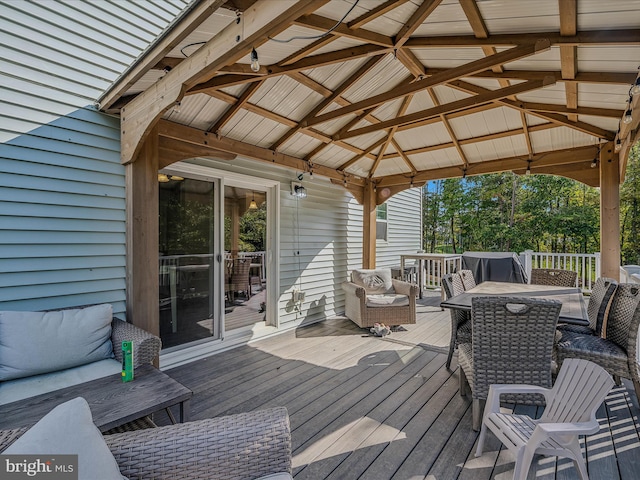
(255, 64)
(176, 107)
(628, 116)
(594, 163)
(635, 89)
(618, 145)
(528, 171)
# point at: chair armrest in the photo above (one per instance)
(577, 428)
(146, 347)
(353, 289)
(495, 390)
(405, 288)
(243, 446)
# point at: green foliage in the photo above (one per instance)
(630, 210)
(505, 212)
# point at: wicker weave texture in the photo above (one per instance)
(146, 347)
(554, 277)
(236, 447)
(597, 309)
(467, 279)
(460, 320)
(618, 352)
(365, 317)
(512, 342)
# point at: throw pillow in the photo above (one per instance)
(39, 342)
(374, 281)
(68, 429)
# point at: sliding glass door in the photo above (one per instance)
(188, 260)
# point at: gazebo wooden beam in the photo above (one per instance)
(201, 138)
(264, 19)
(434, 80)
(592, 37)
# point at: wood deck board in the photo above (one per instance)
(381, 408)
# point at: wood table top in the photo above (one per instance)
(112, 401)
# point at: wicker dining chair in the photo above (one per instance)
(617, 351)
(460, 319)
(598, 306)
(554, 277)
(239, 280)
(512, 342)
(467, 279)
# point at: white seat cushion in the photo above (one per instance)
(389, 300)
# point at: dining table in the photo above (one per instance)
(573, 311)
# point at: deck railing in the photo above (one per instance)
(587, 265)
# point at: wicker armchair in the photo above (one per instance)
(617, 353)
(374, 297)
(239, 280)
(460, 320)
(467, 279)
(512, 342)
(237, 447)
(552, 276)
(597, 309)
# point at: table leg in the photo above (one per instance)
(185, 411)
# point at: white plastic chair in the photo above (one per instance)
(579, 390)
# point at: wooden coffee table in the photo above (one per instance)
(113, 403)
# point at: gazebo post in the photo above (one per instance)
(142, 208)
(369, 226)
(609, 211)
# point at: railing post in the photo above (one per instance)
(528, 254)
(598, 265)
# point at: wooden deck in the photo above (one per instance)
(385, 408)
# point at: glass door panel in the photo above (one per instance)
(187, 263)
(245, 237)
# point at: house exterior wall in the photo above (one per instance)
(321, 238)
(62, 208)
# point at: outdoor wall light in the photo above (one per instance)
(297, 190)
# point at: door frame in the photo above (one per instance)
(272, 191)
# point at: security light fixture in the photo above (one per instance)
(297, 190)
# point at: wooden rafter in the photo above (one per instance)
(450, 131)
(324, 24)
(569, 53)
(179, 32)
(233, 109)
(573, 156)
(586, 38)
(335, 95)
(307, 63)
(457, 105)
(378, 11)
(411, 25)
(437, 79)
(184, 133)
(390, 134)
(552, 117)
(472, 140)
(264, 19)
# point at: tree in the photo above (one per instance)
(630, 210)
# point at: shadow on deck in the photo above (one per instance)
(382, 408)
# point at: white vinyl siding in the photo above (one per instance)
(62, 198)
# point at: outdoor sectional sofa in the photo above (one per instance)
(45, 351)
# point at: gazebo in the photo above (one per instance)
(381, 96)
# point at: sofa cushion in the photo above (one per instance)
(68, 429)
(376, 281)
(392, 300)
(39, 342)
(20, 388)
